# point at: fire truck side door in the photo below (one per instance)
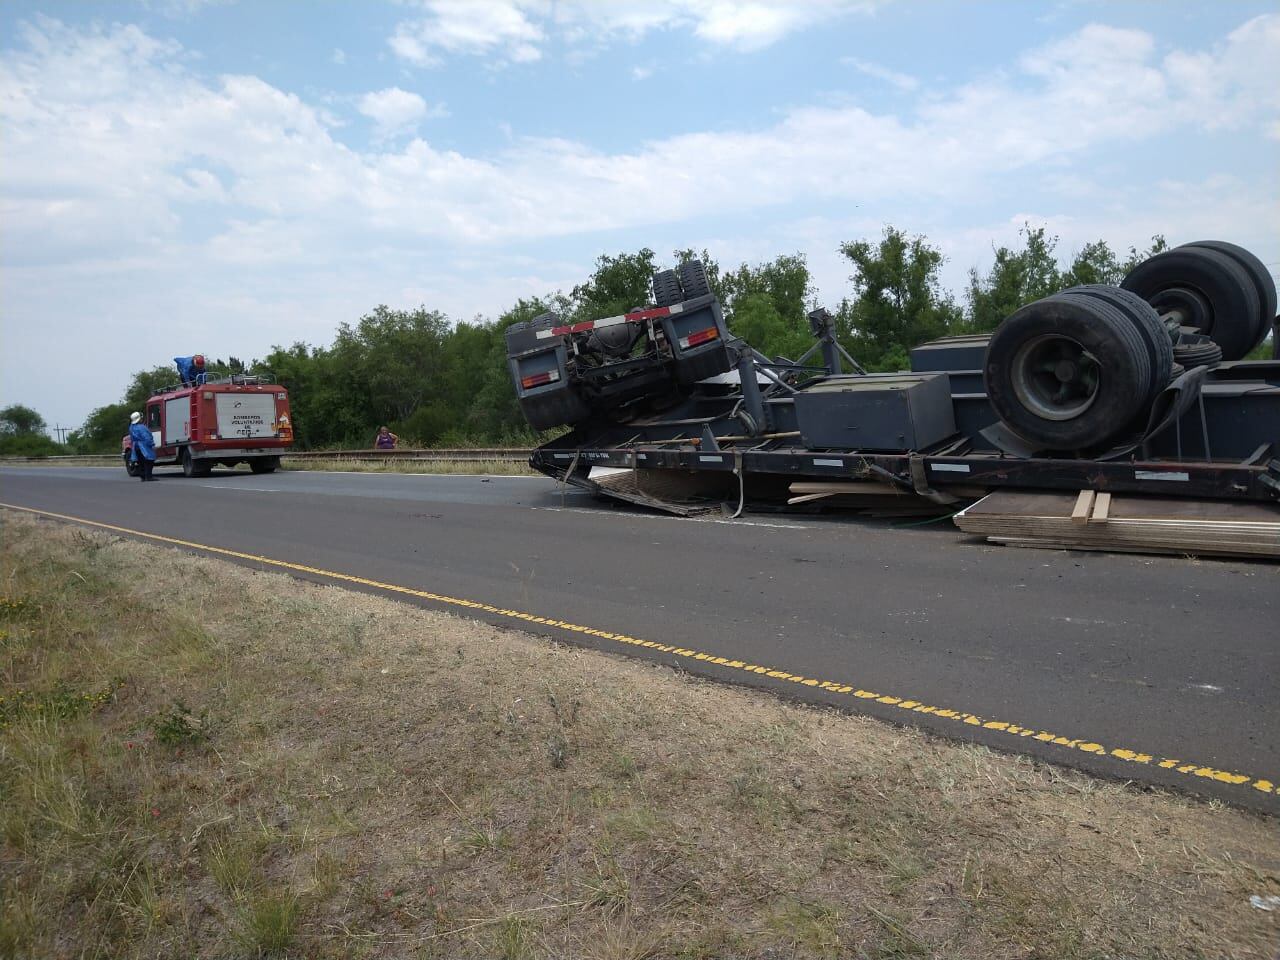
(153, 423)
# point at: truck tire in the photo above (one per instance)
(1147, 322)
(1258, 273)
(264, 464)
(1197, 351)
(666, 288)
(130, 466)
(1194, 275)
(1068, 372)
(693, 278)
(191, 467)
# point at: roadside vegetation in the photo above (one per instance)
(440, 383)
(496, 468)
(202, 760)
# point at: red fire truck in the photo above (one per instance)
(236, 419)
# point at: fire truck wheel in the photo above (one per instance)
(1068, 372)
(130, 467)
(693, 277)
(264, 464)
(1190, 276)
(191, 467)
(666, 288)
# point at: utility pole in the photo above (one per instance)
(62, 432)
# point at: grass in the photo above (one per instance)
(202, 760)
(499, 468)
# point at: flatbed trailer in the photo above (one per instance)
(670, 410)
(758, 472)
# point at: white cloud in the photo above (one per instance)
(338, 57)
(903, 81)
(472, 27)
(131, 180)
(104, 127)
(393, 110)
(178, 9)
(516, 31)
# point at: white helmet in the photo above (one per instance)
(135, 417)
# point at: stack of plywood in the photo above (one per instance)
(1123, 523)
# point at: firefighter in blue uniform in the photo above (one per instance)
(143, 447)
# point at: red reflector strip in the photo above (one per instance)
(702, 336)
(538, 379)
(650, 314)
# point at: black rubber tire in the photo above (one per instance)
(1198, 352)
(666, 288)
(1104, 333)
(264, 464)
(693, 278)
(130, 467)
(1147, 322)
(1215, 276)
(191, 467)
(1263, 283)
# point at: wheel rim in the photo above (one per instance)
(1055, 377)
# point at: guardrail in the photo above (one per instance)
(504, 454)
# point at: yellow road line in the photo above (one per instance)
(1184, 767)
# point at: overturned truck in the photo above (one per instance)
(1140, 388)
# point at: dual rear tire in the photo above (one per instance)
(686, 282)
(1215, 288)
(1072, 371)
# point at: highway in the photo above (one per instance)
(1155, 669)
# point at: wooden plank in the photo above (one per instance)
(1101, 507)
(1084, 502)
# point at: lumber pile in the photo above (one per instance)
(1094, 520)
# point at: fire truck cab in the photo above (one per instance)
(237, 419)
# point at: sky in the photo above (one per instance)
(182, 176)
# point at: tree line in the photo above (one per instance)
(439, 383)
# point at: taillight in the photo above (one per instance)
(538, 379)
(702, 336)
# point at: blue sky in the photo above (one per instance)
(186, 175)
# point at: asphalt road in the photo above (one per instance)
(1162, 670)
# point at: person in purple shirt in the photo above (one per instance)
(143, 447)
(385, 440)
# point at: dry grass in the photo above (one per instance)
(206, 761)
(499, 468)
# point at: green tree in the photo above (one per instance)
(24, 433)
(397, 356)
(1020, 276)
(898, 300)
(19, 421)
(617, 284)
(102, 430)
